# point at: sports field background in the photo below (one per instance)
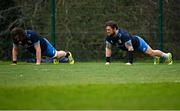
(79, 26)
(89, 85)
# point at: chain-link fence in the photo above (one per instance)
(80, 23)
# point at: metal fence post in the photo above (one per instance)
(161, 25)
(53, 22)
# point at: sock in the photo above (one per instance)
(164, 55)
(67, 54)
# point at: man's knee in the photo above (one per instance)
(61, 54)
(151, 53)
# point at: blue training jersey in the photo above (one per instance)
(32, 39)
(121, 38)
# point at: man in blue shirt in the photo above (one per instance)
(36, 45)
(125, 41)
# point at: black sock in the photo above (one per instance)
(67, 54)
(108, 59)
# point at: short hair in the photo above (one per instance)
(17, 32)
(112, 24)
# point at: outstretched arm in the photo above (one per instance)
(130, 48)
(38, 53)
(108, 52)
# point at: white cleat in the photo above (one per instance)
(107, 63)
(156, 60)
(128, 64)
(71, 60)
(169, 59)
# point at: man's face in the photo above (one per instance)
(19, 38)
(110, 31)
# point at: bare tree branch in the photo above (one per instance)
(9, 9)
(36, 8)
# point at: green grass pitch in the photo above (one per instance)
(89, 85)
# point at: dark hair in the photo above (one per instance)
(112, 24)
(17, 34)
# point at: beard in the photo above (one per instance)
(112, 34)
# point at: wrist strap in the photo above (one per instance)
(15, 62)
(130, 57)
(108, 59)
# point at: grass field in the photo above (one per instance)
(89, 86)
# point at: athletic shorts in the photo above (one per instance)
(142, 45)
(50, 50)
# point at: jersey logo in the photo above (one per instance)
(20, 42)
(29, 42)
(29, 35)
(119, 34)
(119, 41)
